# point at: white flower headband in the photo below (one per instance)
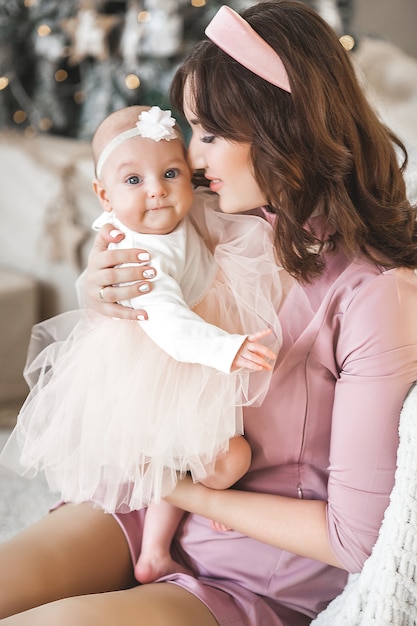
(154, 124)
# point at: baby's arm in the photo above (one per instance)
(187, 337)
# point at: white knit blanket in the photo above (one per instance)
(385, 592)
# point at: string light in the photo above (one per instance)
(347, 42)
(132, 81)
(30, 132)
(79, 97)
(4, 81)
(143, 16)
(61, 75)
(19, 117)
(44, 30)
(45, 124)
(198, 3)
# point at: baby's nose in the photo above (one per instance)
(156, 191)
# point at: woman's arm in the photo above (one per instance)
(299, 526)
(378, 349)
(103, 275)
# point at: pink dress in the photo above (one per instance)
(328, 429)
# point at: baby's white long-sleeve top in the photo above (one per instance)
(185, 269)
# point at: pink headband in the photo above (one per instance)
(232, 34)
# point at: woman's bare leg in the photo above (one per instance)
(147, 605)
(74, 550)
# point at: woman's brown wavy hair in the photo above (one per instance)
(319, 150)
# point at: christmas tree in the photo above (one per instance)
(65, 65)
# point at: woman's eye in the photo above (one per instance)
(133, 180)
(207, 138)
(173, 173)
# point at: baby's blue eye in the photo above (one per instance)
(133, 180)
(173, 173)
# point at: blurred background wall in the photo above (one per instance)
(393, 21)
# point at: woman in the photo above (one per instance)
(278, 121)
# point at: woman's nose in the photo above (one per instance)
(195, 154)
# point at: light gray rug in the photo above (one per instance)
(22, 501)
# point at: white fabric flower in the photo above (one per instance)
(156, 124)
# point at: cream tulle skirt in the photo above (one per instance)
(113, 419)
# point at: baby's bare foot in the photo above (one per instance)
(151, 567)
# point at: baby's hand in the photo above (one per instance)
(253, 355)
(219, 527)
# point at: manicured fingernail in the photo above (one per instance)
(144, 256)
(115, 233)
(144, 288)
(141, 318)
(149, 274)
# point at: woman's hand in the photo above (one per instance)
(104, 278)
